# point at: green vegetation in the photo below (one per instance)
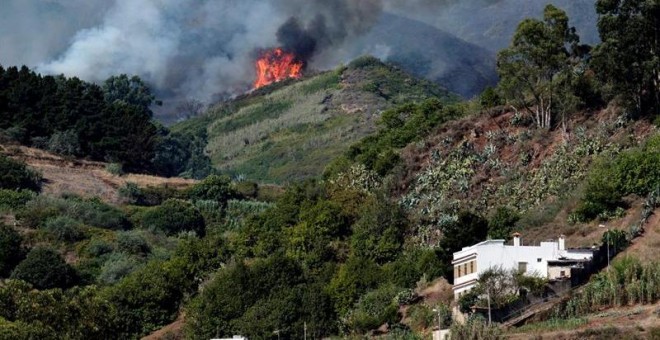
(636, 171)
(409, 178)
(92, 212)
(476, 328)
(291, 131)
(14, 200)
(111, 122)
(15, 175)
(44, 268)
(627, 59)
(11, 252)
(552, 325)
(400, 126)
(214, 188)
(173, 217)
(627, 281)
(540, 64)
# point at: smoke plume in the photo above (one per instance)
(205, 49)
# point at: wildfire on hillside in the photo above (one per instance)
(276, 65)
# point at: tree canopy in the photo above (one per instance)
(536, 69)
(628, 59)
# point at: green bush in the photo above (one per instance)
(476, 328)
(400, 126)
(173, 217)
(378, 234)
(635, 171)
(354, 278)
(11, 252)
(116, 267)
(115, 169)
(64, 143)
(92, 212)
(133, 243)
(77, 313)
(148, 196)
(421, 317)
(490, 98)
(15, 175)
(65, 229)
(217, 188)
(374, 309)
(414, 264)
(501, 224)
(98, 247)
(628, 281)
(14, 200)
(44, 269)
(247, 189)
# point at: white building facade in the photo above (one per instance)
(471, 261)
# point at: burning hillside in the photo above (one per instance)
(276, 65)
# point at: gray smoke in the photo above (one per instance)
(205, 49)
(195, 48)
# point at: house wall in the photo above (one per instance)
(494, 253)
(554, 272)
(509, 257)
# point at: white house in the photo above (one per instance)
(549, 259)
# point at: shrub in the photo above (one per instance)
(374, 309)
(44, 269)
(132, 243)
(65, 229)
(247, 189)
(632, 172)
(421, 317)
(115, 169)
(91, 212)
(64, 143)
(13, 200)
(131, 192)
(406, 297)
(116, 267)
(15, 175)
(475, 328)
(217, 188)
(490, 98)
(148, 196)
(212, 211)
(501, 224)
(98, 247)
(11, 252)
(173, 217)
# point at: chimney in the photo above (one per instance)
(516, 239)
(562, 242)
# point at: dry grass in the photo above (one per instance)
(84, 178)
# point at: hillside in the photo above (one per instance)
(87, 179)
(430, 53)
(495, 160)
(290, 131)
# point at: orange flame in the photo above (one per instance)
(276, 65)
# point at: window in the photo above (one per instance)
(459, 271)
(562, 273)
(522, 267)
(471, 267)
(539, 259)
(465, 272)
